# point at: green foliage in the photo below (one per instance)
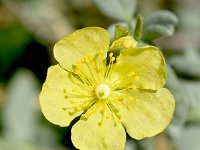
(162, 17)
(22, 129)
(23, 124)
(153, 32)
(112, 29)
(192, 90)
(181, 98)
(20, 108)
(120, 31)
(138, 28)
(159, 24)
(117, 9)
(188, 139)
(13, 40)
(187, 64)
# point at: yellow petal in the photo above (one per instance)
(52, 97)
(149, 115)
(88, 135)
(147, 63)
(126, 42)
(79, 44)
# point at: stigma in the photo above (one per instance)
(102, 91)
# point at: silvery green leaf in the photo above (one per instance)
(154, 31)
(162, 17)
(159, 24)
(187, 64)
(147, 144)
(20, 112)
(6, 144)
(130, 144)
(181, 98)
(47, 137)
(188, 139)
(192, 89)
(174, 130)
(117, 9)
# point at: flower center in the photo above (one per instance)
(102, 91)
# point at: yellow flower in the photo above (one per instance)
(125, 94)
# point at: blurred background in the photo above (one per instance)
(30, 28)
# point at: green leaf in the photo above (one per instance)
(181, 98)
(147, 144)
(156, 31)
(130, 144)
(187, 64)
(117, 9)
(6, 144)
(20, 113)
(162, 17)
(138, 28)
(120, 31)
(192, 89)
(188, 139)
(159, 24)
(112, 28)
(13, 40)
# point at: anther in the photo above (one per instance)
(99, 123)
(84, 118)
(110, 55)
(112, 59)
(71, 113)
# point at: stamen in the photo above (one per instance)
(101, 70)
(90, 111)
(78, 83)
(78, 95)
(114, 114)
(110, 66)
(110, 55)
(120, 83)
(92, 69)
(83, 105)
(102, 114)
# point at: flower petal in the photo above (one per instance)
(89, 135)
(52, 97)
(147, 63)
(149, 115)
(79, 44)
(126, 42)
